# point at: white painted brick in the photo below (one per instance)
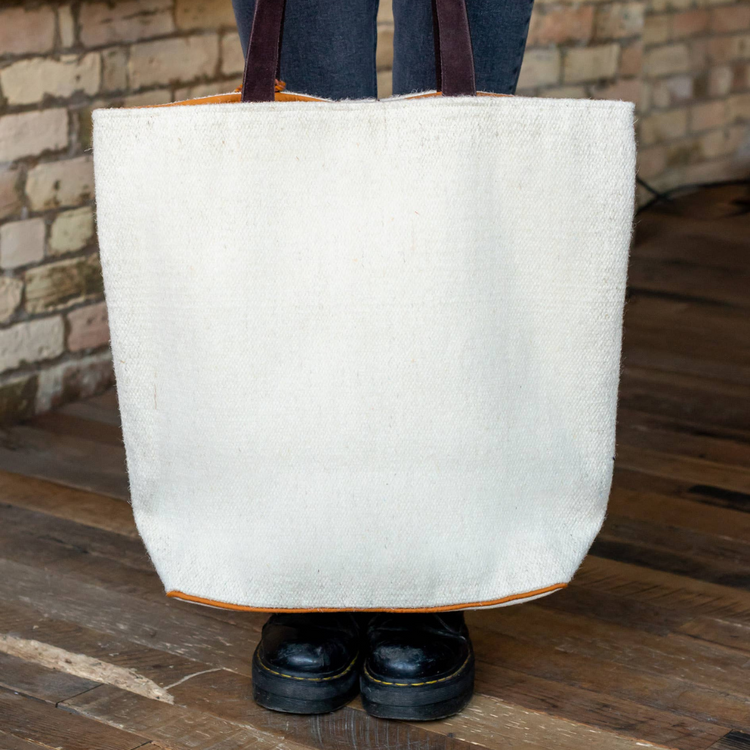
(32, 341)
(71, 230)
(32, 133)
(61, 183)
(10, 296)
(173, 60)
(66, 24)
(232, 61)
(29, 81)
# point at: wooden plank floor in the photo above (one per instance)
(650, 645)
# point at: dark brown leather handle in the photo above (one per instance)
(454, 58)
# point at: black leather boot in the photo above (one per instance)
(307, 663)
(417, 666)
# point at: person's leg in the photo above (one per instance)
(328, 46)
(498, 36)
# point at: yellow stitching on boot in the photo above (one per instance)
(309, 679)
(417, 684)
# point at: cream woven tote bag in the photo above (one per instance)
(367, 352)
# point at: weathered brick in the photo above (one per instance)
(668, 92)
(739, 108)
(651, 161)
(32, 133)
(689, 23)
(698, 53)
(66, 24)
(24, 31)
(55, 285)
(21, 243)
(730, 18)
(683, 152)
(32, 341)
(10, 200)
(564, 92)
(667, 60)
(29, 81)
(128, 21)
(714, 170)
(75, 379)
(645, 102)
(173, 60)
(384, 50)
(88, 327)
(720, 81)
(114, 69)
(71, 230)
(626, 89)
(659, 6)
(664, 126)
(619, 20)
(724, 49)
(11, 290)
(232, 61)
(591, 63)
(657, 28)
(558, 25)
(541, 67)
(17, 398)
(709, 115)
(203, 14)
(740, 76)
(631, 59)
(61, 183)
(206, 89)
(723, 141)
(157, 96)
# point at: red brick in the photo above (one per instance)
(24, 31)
(723, 49)
(689, 23)
(88, 327)
(628, 90)
(560, 25)
(631, 59)
(619, 20)
(730, 18)
(708, 116)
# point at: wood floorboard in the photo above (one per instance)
(648, 647)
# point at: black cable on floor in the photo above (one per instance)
(669, 195)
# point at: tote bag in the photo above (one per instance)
(367, 352)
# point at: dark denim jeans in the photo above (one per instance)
(328, 47)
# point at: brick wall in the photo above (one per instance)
(685, 62)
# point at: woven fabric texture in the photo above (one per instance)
(367, 353)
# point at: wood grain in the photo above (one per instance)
(648, 647)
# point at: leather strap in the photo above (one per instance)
(455, 61)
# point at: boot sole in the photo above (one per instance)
(303, 695)
(414, 701)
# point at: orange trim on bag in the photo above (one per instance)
(279, 96)
(447, 608)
